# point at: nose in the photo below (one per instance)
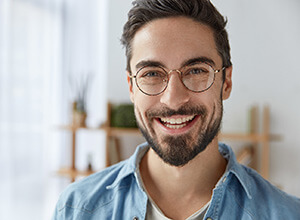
(176, 94)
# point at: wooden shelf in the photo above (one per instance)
(73, 173)
(75, 128)
(121, 131)
(111, 133)
(255, 138)
(112, 130)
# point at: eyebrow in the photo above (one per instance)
(193, 61)
(189, 62)
(150, 63)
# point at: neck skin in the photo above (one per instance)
(181, 191)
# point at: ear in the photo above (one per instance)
(129, 81)
(227, 84)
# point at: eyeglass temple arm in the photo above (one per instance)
(216, 71)
(131, 76)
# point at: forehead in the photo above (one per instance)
(171, 41)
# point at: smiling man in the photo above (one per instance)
(179, 73)
(179, 87)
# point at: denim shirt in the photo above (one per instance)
(115, 193)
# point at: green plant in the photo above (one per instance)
(122, 115)
(80, 90)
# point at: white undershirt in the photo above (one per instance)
(154, 213)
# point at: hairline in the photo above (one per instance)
(129, 50)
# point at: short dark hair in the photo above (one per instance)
(203, 11)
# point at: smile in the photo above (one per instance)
(176, 123)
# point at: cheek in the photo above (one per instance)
(207, 98)
(218, 87)
(211, 99)
(142, 104)
(213, 95)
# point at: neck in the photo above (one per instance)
(191, 182)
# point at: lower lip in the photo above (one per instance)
(177, 131)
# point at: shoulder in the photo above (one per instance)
(269, 200)
(106, 193)
(92, 192)
(248, 193)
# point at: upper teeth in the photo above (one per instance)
(176, 120)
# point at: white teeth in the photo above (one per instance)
(175, 126)
(177, 121)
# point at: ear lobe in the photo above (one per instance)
(129, 81)
(227, 84)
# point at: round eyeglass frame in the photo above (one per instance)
(178, 71)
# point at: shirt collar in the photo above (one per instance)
(236, 169)
(131, 166)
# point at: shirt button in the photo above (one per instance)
(209, 218)
(135, 218)
(224, 179)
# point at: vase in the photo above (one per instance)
(79, 119)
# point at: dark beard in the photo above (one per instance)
(178, 153)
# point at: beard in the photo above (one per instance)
(178, 150)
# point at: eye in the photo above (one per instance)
(151, 74)
(148, 73)
(196, 71)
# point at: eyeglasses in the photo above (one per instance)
(197, 77)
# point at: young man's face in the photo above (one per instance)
(197, 116)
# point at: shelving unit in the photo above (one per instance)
(71, 172)
(254, 137)
(112, 135)
(259, 141)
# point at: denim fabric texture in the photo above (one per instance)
(115, 193)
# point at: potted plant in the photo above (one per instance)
(79, 110)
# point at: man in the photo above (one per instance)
(179, 73)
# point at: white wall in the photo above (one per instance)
(85, 52)
(264, 37)
(117, 83)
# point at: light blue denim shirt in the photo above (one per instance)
(115, 193)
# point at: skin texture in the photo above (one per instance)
(180, 159)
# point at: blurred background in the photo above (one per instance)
(62, 58)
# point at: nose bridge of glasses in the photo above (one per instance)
(179, 74)
(174, 70)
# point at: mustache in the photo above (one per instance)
(183, 110)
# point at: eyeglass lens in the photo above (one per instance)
(197, 77)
